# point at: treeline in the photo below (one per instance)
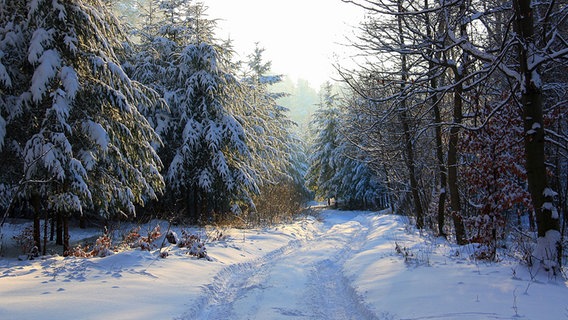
(165, 125)
(339, 172)
(461, 104)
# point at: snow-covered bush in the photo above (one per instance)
(194, 244)
(131, 238)
(172, 237)
(79, 251)
(147, 242)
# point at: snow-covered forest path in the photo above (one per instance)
(341, 265)
(304, 279)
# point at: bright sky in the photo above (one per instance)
(302, 37)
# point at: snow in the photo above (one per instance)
(70, 81)
(343, 265)
(97, 133)
(36, 49)
(49, 62)
(549, 193)
(545, 252)
(4, 76)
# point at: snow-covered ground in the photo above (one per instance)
(343, 265)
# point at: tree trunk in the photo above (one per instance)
(435, 103)
(66, 237)
(441, 170)
(548, 250)
(403, 114)
(193, 205)
(455, 201)
(82, 221)
(59, 229)
(52, 226)
(45, 222)
(453, 166)
(36, 204)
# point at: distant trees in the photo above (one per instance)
(459, 72)
(337, 168)
(302, 101)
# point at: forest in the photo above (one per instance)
(461, 105)
(454, 116)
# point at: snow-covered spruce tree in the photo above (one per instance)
(338, 167)
(89, 146)
(154, 61)
(264, 119)
(13, 121)
(275, 149)
(164, 30)
(323, 160)
(205, 153)
(359, 185)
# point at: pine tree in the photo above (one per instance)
(276, 151)
(323, 162)
(265, 121)
(338, 167)
(88, 147)
(13, 120)
(204, 151)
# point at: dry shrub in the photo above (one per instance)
(25, 241)
(103, 247)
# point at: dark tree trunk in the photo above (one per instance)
(435, 101)
(59, 229)
(405, 120)
(453, 165)
(547, 220)
(52, 226)
(66, 237)
(82, 221)
(36, 204)
(455, 201)
(441, 170)
(193, 205)
(45, 222)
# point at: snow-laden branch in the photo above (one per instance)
(468, 47)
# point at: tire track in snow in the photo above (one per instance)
(232, 282)
(302, 280)
(334, 295)
(331, 292)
